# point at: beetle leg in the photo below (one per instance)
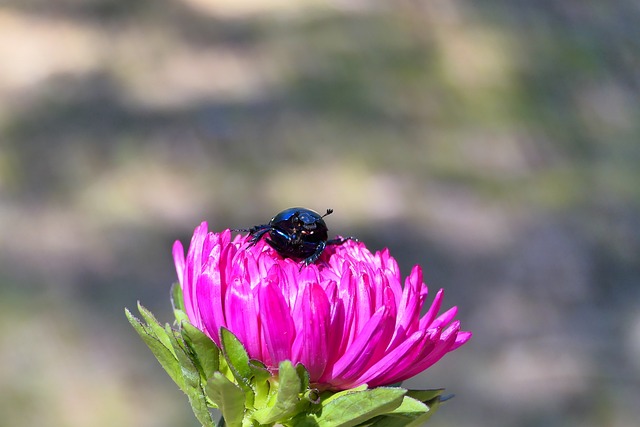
(253, 229)
(257, 232)
(316, 254)
(341, 240)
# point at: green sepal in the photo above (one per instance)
(192, 379)
(353, 408)
(229, 398)
(177, 302)
(207, 353)
(425, 395)
(287, 400)
(328, 396)
(411, 412)
(236, 356)
(410, 407)
(248, 394)
(238, 363)
(303, 374)
(163, 352)
(261, 383)
(155, 326)
(419, 422)
(177, 358)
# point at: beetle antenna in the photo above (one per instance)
(329, 212)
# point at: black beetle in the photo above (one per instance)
(297, 233)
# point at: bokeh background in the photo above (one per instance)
(495, 143)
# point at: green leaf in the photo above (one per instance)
(189, 368)
(410, 410)
(229, 398)
(287, 399)
(329, 396)
(177, 302)
(420, 421)
(191, 374)
(303, 374)
(160, 350)
(425, 395)
(388, 421)
(260, 382)
(410, 407)
(155, 326)
(259, 370)
(206, 351)
(416, 408)
(177, 299)
(238, 363)
(354, 408)
(237, 357)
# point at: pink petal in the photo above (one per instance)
(243, 319)
(444, 318)
(350, 301)
(312, 339)
(179, 261)
(194, 269)
(363, 348)
(433, 310)
(364, 308)
(394, 359)
(277, 325)
(209, 296)
(348, 318)
(463, 337)
(409, 308)
(441, 348)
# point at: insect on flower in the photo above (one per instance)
(297, 233)
(292, 338)
(348, 320)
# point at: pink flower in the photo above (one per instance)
(347, 318)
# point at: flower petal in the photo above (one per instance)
(433, 310)
(356, 358)
(209, 295)
(442, 347)
(193, 270)
(178, 259)
(347, 317)
(397, 358)
(409, 308)
(311, 343)
(277, 325)
(242, 318)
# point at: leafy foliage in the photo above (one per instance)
(248, 394)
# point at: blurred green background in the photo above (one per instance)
(494, 143)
